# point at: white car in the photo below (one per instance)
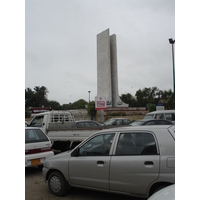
(37, 147)
(167, 193)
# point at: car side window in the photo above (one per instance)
(118, 122)
(150, 123)
(170, 116)
(37, 121)
(80, 125)
(159, 116)
(126, 121)
(136, 144)
(97, 146)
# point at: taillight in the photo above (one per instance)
(31, 151)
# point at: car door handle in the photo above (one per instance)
(100, 162)
(148, 163)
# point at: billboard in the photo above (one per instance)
(100, 103)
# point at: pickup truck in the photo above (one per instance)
(61, 127)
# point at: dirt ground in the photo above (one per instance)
(37, 189)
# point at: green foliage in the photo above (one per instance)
(152, 107)
(54, 105)
(91, 108)
(80, 104)
(38, 98)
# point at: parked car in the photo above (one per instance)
(161, 114)
(88, 124)
(117, 122)
(26, 123)
(127, 160)
(167, 193)
(37, 147)
(151, 122)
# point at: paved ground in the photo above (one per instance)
(37, 189)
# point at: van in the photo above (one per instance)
(161, 114)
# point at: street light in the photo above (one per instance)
(89, 95)
(171, 41)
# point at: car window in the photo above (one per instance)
(162, 122)
(80, 125)
(126, 121)
(159, 116)
(37, 121)
(97, 146)
(35, 135)
(109, 122)
(150, 123)
(136, 144)
(118, 122)
(150, 116)
(90, 124)
(170, 116)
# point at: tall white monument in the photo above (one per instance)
(107, 74)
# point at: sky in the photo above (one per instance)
(61, 45)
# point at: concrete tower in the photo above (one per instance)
(107, 74)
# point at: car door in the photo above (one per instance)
(90, 168)
(135, 164)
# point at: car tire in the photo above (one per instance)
(57, 184)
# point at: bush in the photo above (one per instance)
(152, 107)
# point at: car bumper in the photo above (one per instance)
(37, 158)
(44, 173)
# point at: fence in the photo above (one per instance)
(101, 116)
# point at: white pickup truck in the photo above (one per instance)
(61, 128)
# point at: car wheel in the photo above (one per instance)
(57, 184)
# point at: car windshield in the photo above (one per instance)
(35, 135)
(109, 122)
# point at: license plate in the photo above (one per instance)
(36, 162)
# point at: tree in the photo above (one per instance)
(127, 98)
(36, 98)
(152, 107)
(41, 95)
(91, 109)
(54, 105)
(80, 104)
(28, 97)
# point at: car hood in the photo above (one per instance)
(61, 158)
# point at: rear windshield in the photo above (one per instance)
(35, 135)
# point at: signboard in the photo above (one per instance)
(100, 103)
(160, 106)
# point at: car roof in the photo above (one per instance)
(139, 128)
(86, 121)
(33, 128)
(161, 111)
(150, 120)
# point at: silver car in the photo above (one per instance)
(133, 161)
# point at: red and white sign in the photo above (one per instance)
(100, 103)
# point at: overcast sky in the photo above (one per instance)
(61, 45)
